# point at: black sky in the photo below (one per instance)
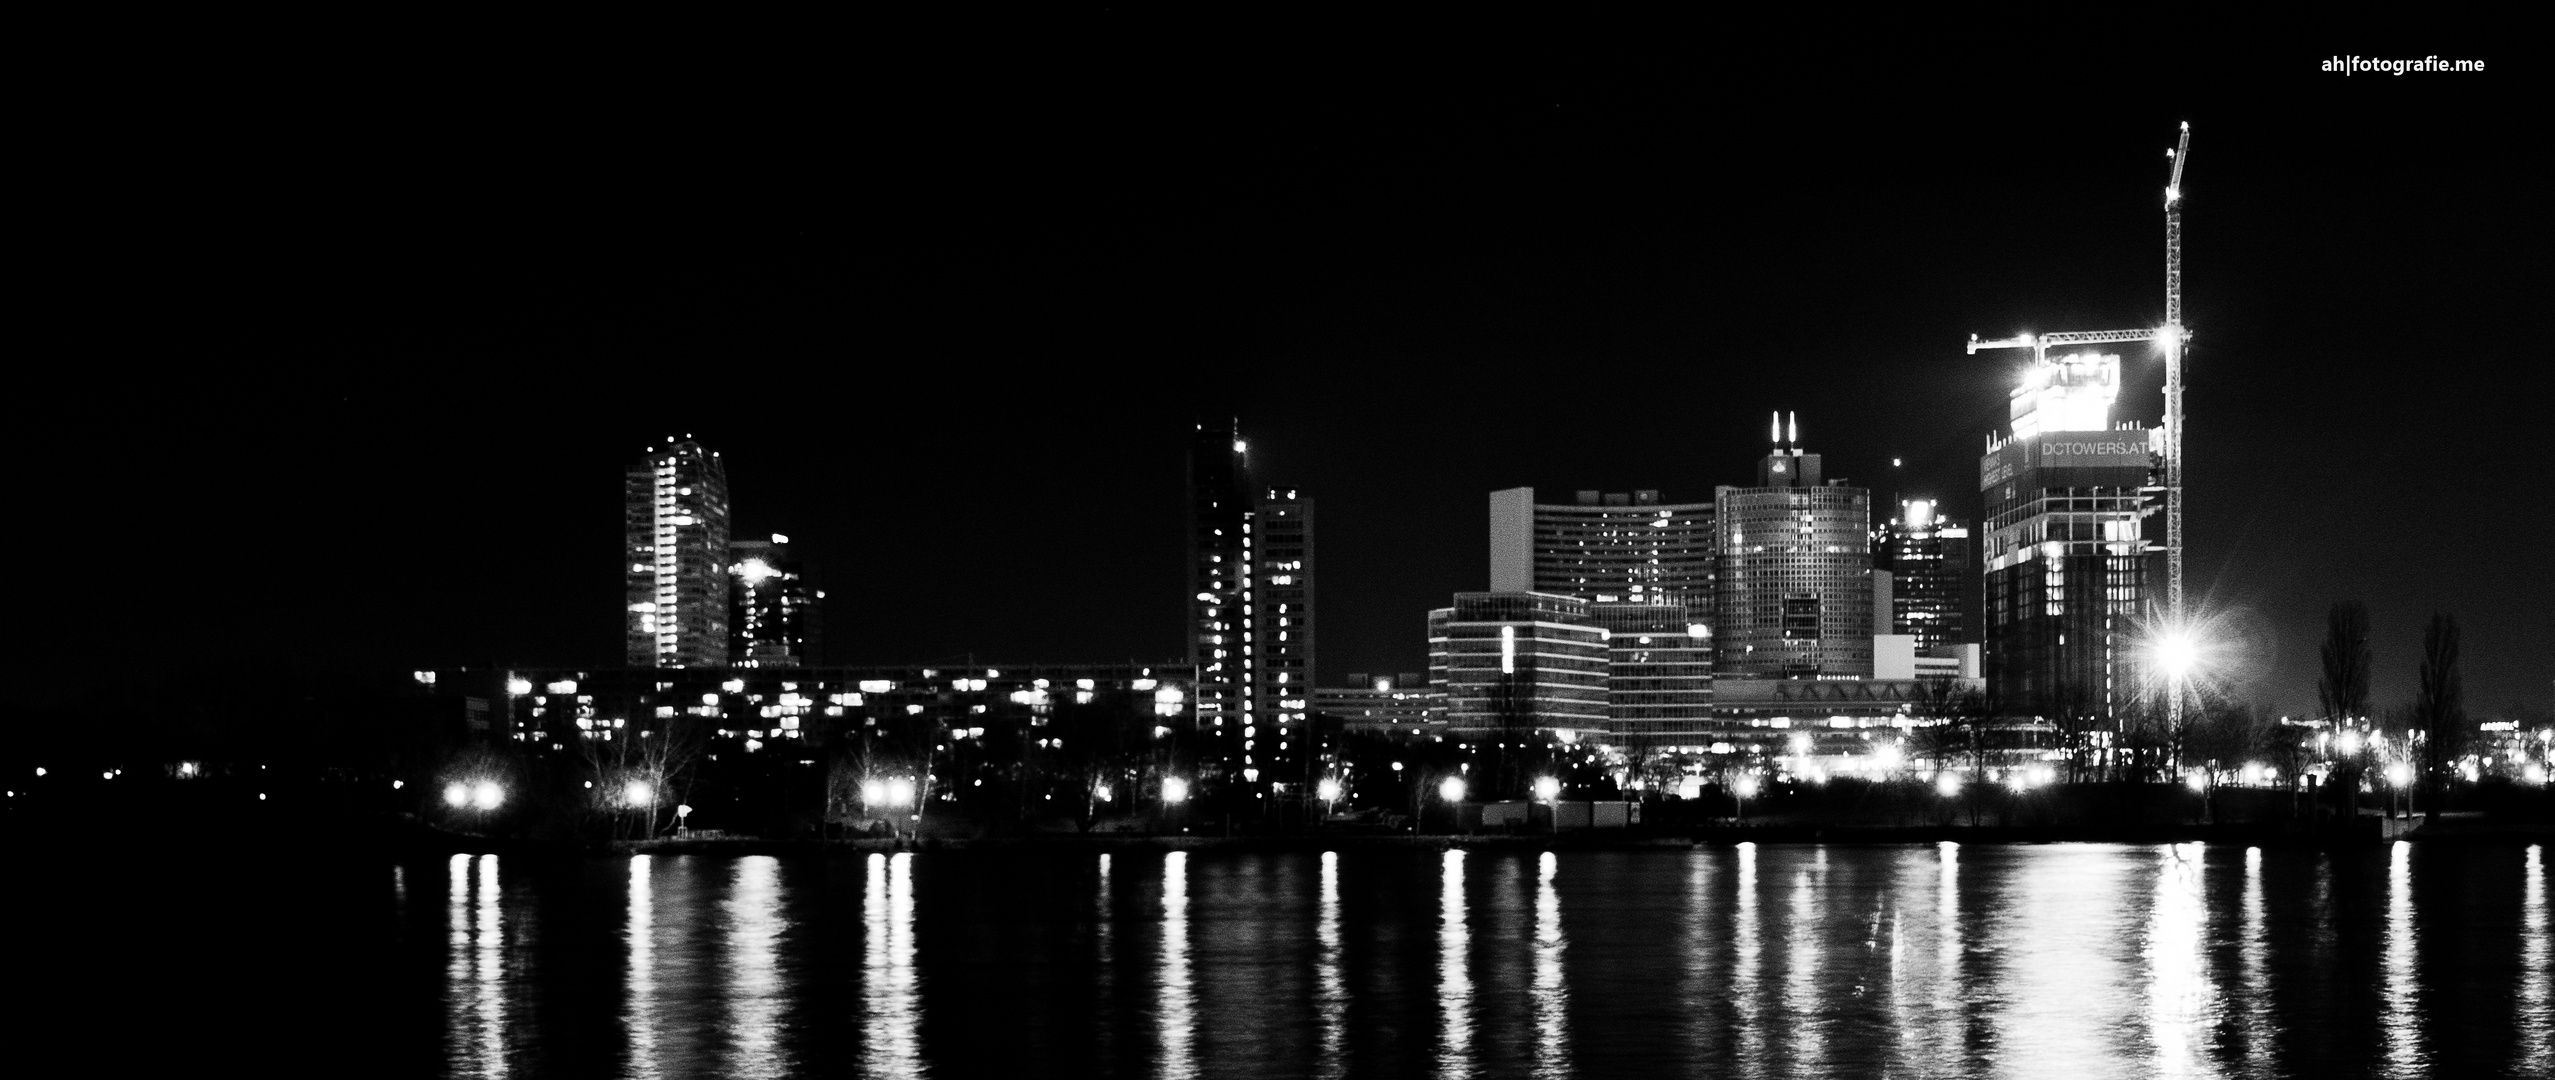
(338, 364)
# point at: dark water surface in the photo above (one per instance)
(1756, 960)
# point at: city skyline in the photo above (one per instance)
(1415, 271)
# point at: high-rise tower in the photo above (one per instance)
(675, 557)
(1933, 582)
(1250, 613)
(773, 611)
(2069, 571)
(1795, 594)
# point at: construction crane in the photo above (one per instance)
(2171, 338)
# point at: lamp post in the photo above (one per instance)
(1549, 790)
(1451, 789)
(1739, 792)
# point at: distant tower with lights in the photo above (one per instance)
(774, 616)
(1795, 588)
(2069, 570)
(1251, 614)
(1933, 583)
(675, 557)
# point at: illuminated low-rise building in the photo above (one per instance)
(1516, 664)
(1397, 706)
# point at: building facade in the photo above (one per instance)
(1514, 664)
(2068, 565)
(675, 557)
(1658, 674)
(1933, 578)
(1398, 706)
(774, 615)
(1251, 614)
(1794, 599)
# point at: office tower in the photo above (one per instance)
(1220, 554)
(1515, 664)
(2068, 568)
(1658, 674)
(774, 615)
(1251, 613)
(1933, 586)
(1795, 594)
(674, 523)
(1279, 643)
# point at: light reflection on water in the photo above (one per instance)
(1179, 1053)
(475, 993)
(1761, 960)
(1454, 975)
(892, 999)
(2402, 992)
(1331, 980)
(1551, 992)
(2537, 969)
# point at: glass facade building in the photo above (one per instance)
(1795, 592)
(1512, 664)
(675, 558)
(1934, 579)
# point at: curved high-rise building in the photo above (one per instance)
(1794, 595)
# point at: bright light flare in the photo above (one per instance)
(873, 793)
(456, 795)
(900, 792)
(2348, 744)
(638, 793)
(2179, 654)
(486, 795)
(2399, 774)
(2198, 779)
(1451, 789)
(1175, 791)
(1547, 788)
(1747, 786)
(1328, 790)
(1948, 783)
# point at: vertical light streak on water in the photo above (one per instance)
(2401, 995)
(2181, 1005)
(755, 994)
(1332, 981)
(1802, 1000)
(889, 992)
(2537, 972)
(1747, 968)
(639, 1006)
(1454, 979)
(1177, 1004)
(1551, 997)
(2255, 949)
(489, 974)
(1947, 1003)
(1104, 953)
(460, 1026)
(1703, 992)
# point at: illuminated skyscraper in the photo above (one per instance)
(1933, 583)
(1795, 594)
(2068, 568)
(675, 557)
(1251, 613)
(774, 613)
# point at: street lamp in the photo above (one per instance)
(1329, 792)
(1548, 789)
(1739, 793)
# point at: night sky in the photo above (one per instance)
(339, 365)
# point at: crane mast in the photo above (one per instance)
(2171, 337)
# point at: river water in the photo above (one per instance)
(2081, 960)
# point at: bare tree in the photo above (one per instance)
(2439, 708)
